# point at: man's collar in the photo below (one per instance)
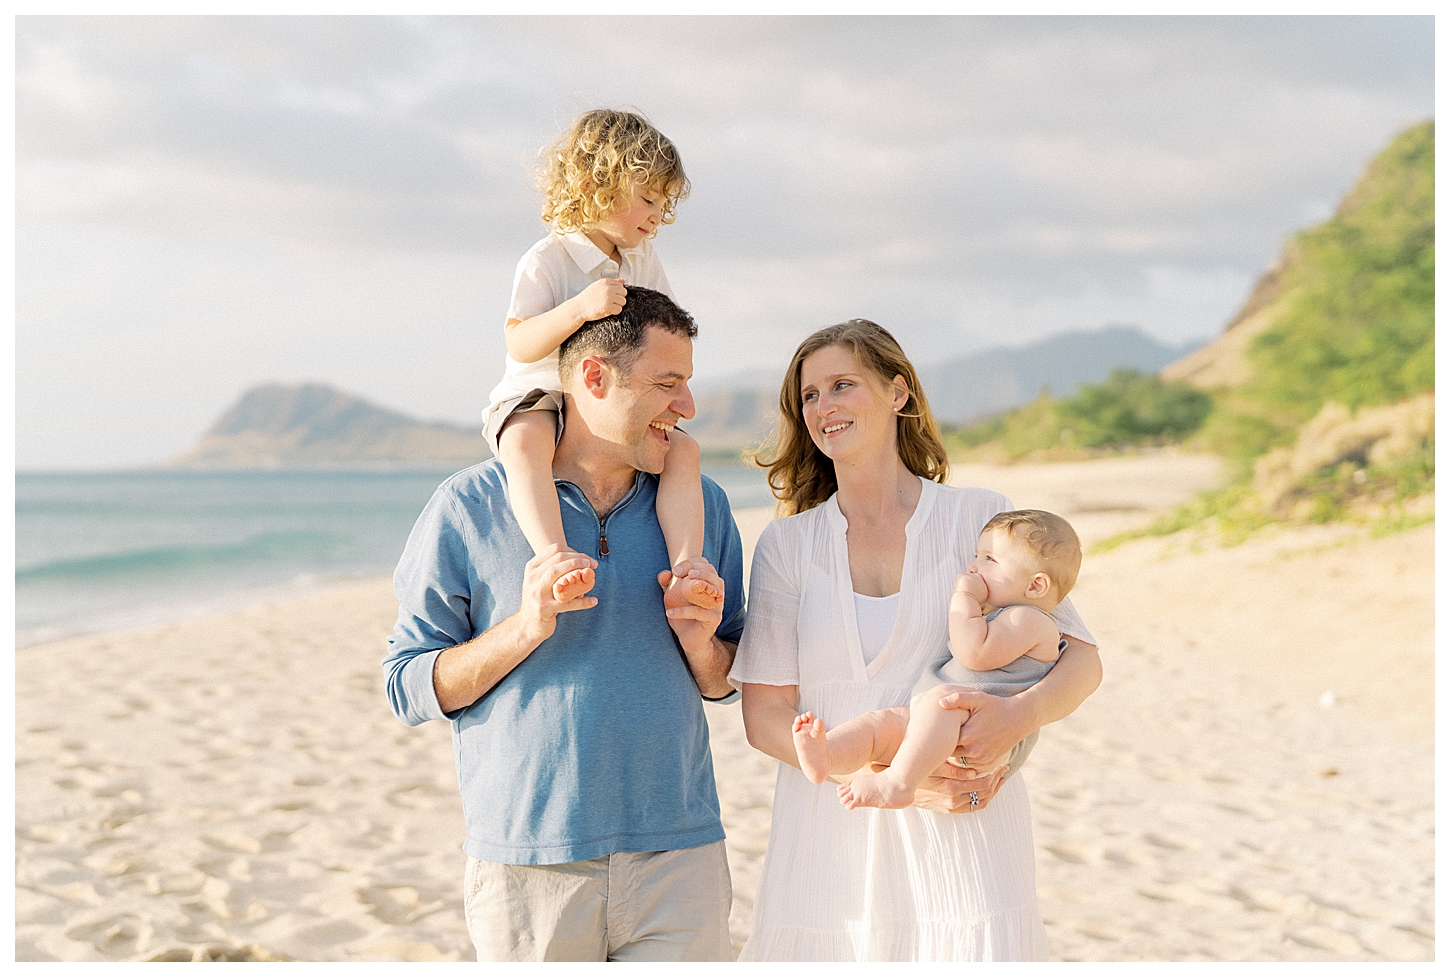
(604, 507)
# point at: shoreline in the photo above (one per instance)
(163, 614)
(750, 522)
(106, 551)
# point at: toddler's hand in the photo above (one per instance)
(602, 298)
(972, 585)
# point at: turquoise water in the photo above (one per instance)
(97, 551)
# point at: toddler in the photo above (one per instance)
(608, 184)
(1003, 639)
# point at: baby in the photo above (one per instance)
(1003, 639)
(608, 184)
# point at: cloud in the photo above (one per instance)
(970, 179)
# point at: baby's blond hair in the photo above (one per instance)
(590, 172)
(1048, 537)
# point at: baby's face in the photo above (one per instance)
(1006, 566)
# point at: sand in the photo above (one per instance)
(1253, 781)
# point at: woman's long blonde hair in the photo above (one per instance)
(801, 477)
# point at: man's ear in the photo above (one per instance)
(1041, 583)
(596, 375)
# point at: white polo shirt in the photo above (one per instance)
(550, 273)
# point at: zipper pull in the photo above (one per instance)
(603, 542)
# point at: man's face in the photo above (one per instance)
(637, 414)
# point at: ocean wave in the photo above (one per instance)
(261, 548)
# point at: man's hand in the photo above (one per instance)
(464, 673)
(694, 625)
(604, 297)
(708, 658)
(538, 610)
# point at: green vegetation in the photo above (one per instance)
(1357, 324)
(1353, 324)
(1129, 408)
(1235, 512)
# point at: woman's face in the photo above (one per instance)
(849, 411)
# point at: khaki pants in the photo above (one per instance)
(664, 905)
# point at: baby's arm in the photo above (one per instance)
(530, 340)
(1017, 631)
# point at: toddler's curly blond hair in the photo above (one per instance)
(590, 172)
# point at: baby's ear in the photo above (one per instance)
(1040, 586)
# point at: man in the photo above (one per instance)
(593, 826)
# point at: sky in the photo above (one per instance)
(208, 203)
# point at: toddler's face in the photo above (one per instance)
(628, 228)
(1006, 566)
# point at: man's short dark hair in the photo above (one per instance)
(619, 339)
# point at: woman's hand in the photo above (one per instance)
(996, 725)
(950, 789)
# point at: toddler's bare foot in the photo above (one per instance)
(703, 594)
(574, 584)
(876, 790)
(811, 748)
(692, 590)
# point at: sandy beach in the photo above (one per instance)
(1254, 780)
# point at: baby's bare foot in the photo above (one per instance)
(876, 790)
(574, 584)
(811, 748)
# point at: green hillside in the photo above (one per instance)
(1356, 323)
(1129, 409)
(1321, 392)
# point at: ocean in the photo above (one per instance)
(98, 551)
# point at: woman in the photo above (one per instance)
(848, 605)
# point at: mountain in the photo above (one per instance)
(727, 420)
(1000, 379)
(316, 426)
(1224, 362)
(1345, 316)
(958, 390)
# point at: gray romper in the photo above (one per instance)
(1017, 675)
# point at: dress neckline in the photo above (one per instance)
(929, 489)
(847, 593)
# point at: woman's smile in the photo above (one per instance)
(838, 396)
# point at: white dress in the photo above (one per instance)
(875, 884)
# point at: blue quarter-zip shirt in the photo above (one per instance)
(596, 743)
